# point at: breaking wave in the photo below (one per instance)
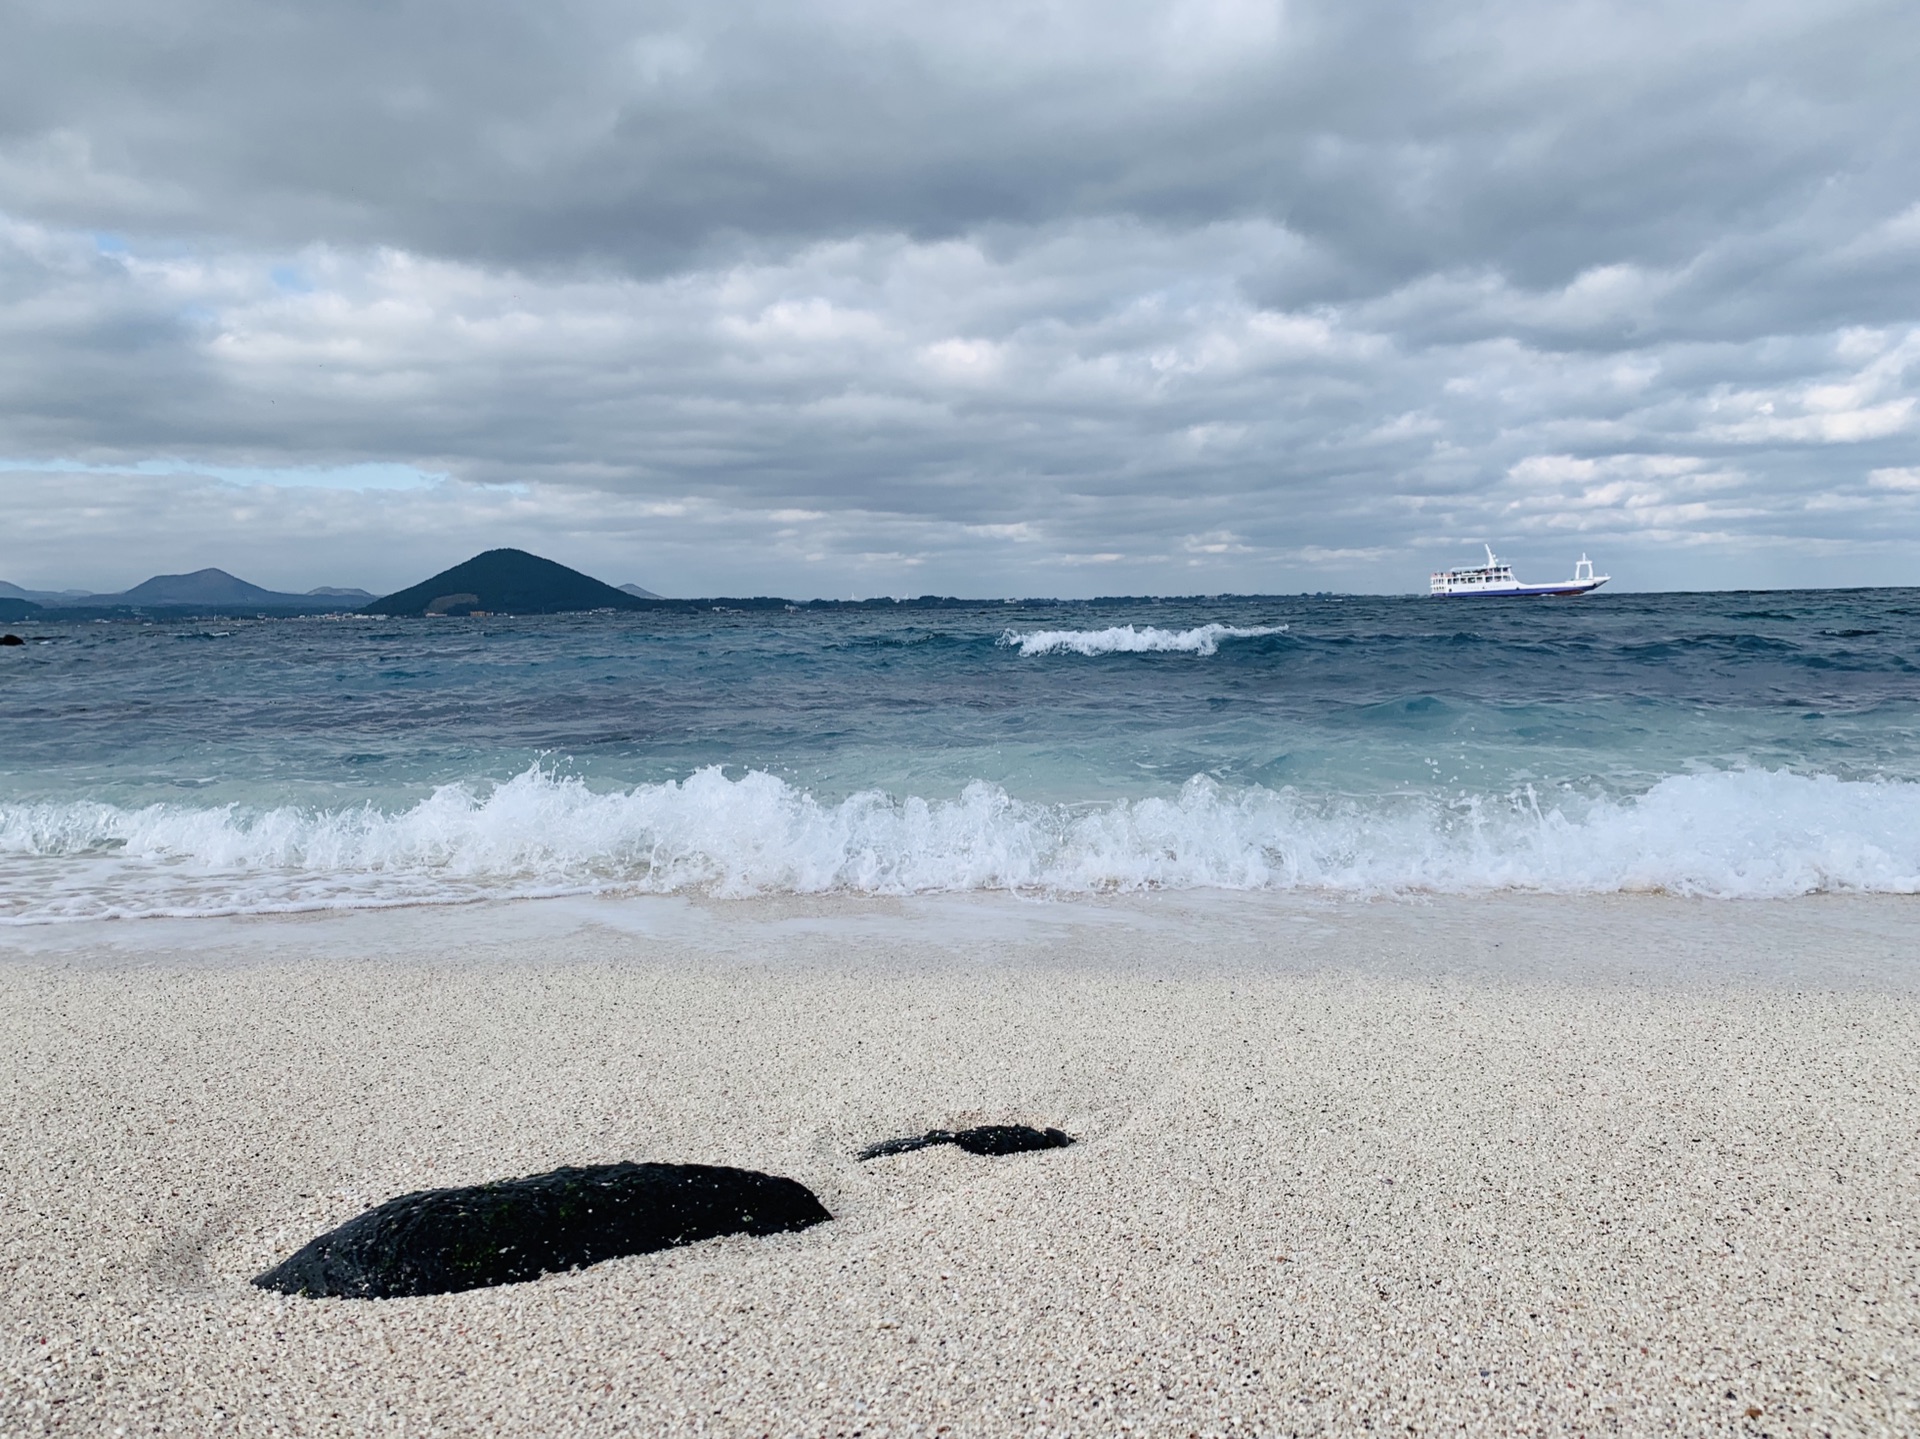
(1739, 834)
(1125, 639)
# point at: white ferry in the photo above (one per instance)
(1494, 580)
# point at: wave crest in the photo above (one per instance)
(1125, 639)
(1738, 835)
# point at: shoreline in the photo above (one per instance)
(1807, 941)
(1395, 1162)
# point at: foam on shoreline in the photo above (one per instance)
(1745, 834)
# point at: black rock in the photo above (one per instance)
(443, 1240)
(986, 1139)
(11, 640)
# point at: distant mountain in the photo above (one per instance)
(506, 582)
(42, 597)
(639, 593)
(14, 608)
(202, 587)
(204, 592)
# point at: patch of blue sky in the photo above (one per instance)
(369, 475)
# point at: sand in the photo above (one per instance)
(1487, 1167)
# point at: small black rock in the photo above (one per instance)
(986, 1139)
(11, 640)
(443, 1240)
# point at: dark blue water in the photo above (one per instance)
(1729, 744)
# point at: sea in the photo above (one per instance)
(1729, 746)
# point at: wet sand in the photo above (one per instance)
(1497, 1166)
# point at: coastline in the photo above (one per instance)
(1518, 1163)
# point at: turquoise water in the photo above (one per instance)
(1735, 744)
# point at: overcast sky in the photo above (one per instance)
(838, 297)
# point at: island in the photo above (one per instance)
(507, 582)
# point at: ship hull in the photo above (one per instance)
(1565, 590)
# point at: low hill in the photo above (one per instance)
(204, 592)
(506, 582)
(14, 609)
(42, 597)
(202, 587)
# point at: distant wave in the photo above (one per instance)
(1125, 639)
(1752, 833)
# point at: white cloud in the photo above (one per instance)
(1196, 293)
(360, 477)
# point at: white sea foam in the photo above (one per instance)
(1125, 639)
(1751, 833)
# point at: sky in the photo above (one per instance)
(1016, 297)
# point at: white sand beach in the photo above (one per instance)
(1506, 1166)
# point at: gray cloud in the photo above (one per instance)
(1007, 298)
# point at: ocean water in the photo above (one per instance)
(1730, 745)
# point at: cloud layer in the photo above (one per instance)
(1009, 298)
